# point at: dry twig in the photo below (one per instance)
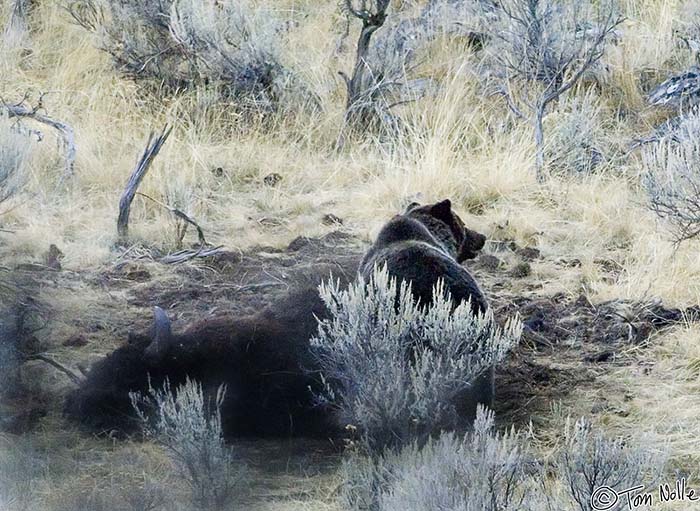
(21, 110)
(74, 377)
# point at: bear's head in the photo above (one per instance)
(463, 243)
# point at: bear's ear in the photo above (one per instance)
(442, 210)
(411, 207)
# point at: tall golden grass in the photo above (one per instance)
(454, 150)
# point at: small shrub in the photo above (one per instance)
(394, 369)
(189, 428)
(236, 44)
(575, 136)
(230, 46)
(181, 195)
(671, 178)
(484, 470)
(15, 149)
(589, 461)
(490, 471)
(540, 49)
(689, 26)
(461, 18)
(137, 36)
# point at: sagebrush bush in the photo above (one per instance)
(490, 471)
(232, 47)
(482, 471)
(460, 17)
(238, 44)
(538, 40)
(671, 176)
(539, 49)
(589, 461)
(15, 149)
(394, 369)
(689, 26)
(575, 136)
(188, 426)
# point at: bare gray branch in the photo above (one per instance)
(21, 110)
(152, 149)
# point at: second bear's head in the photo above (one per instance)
(448, 228)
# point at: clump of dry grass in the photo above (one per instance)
(53, 471)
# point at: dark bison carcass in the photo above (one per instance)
(263, 359)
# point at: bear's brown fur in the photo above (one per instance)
(426, 244)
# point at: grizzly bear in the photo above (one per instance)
(426, 244)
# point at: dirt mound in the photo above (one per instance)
(243, 282)
(560, 320)
(565, 340)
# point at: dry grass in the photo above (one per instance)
(456, 149)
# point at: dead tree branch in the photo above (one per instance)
(372, 20)
(182, 216)
(152, 149)
(372, 13)
(186, 255)
(384, 61)
(551, 45)
(74, 377)
(21, 110)
(86, 14)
